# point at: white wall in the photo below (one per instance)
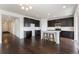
(6, 23)
(6, 26)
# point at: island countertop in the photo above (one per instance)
(52, 31)
(56, 33)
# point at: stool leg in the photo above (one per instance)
(51, 37)
(54, 38)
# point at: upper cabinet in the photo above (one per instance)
(51, 23)
(37, 23)
(28, 22)
(66, 22)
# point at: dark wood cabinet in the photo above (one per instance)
(28, 34)
(37, 23)
(65, 22)
(51, 23)
(67, 34)
(28, 21)
(37, 33)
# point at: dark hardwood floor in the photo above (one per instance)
(13, 45)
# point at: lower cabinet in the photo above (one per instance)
(67, 34)
(28, 34)
(37, 34)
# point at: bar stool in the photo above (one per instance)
(51, 37)
(45, 36)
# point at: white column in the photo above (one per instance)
(76, 24)
(41, 35)
(57, 37)
(76, 28)
(33, 29)
(17, 27)
(21, 27)
(0, 29)
(43, 24)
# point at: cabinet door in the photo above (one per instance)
(26, 22)
(28, 34)
(67, 34)
(65, 22)
(37, 33)
(51, 23)
(37, 23)
(32, 21)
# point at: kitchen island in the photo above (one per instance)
(56, 35)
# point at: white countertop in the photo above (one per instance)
(51, 31)
(62, 28)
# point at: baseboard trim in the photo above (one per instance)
(5, 32)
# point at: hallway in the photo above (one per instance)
(11, 45)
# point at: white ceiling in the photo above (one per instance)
(42, 10)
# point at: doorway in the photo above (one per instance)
(8, 29)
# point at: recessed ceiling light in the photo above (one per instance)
(30, 7)
(22, 7)
(20, 4)
(64, 6)
(26, 9)
(48, 13)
